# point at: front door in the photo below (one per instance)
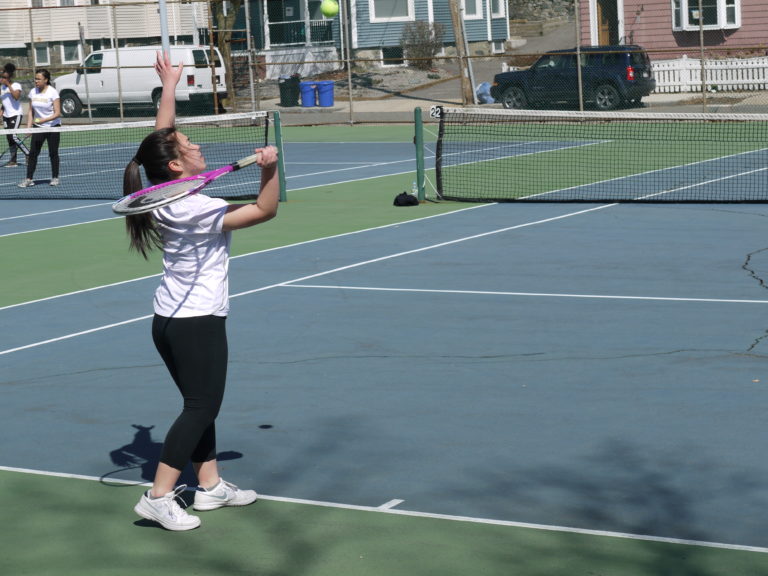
(607, 22)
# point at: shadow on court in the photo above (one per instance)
(144, 453)
(93, 531)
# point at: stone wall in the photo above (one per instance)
(540, 10)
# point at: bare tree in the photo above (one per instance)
(224, 14)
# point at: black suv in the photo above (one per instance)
(612, 76)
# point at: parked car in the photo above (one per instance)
(137, 80)
(611, 76)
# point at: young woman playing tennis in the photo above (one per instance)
(10, 96)
(191, 304)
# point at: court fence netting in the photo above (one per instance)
(495, 155)
(93, 158)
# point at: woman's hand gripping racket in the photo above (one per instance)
(166, 193)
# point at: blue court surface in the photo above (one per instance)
(596, 367)
(592, 368)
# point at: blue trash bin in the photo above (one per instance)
(325, 93)
(308, 94)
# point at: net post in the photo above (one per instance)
(439, 113)
(280, 159)
(418, 140)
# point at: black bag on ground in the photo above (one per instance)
(405, 199)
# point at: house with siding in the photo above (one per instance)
(287, 35)
(51, 34)
(731, 35)
(293, 31)
(675, 26)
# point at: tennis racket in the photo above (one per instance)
(166, 193)
(23, 139)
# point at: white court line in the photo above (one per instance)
(431, 247)
(73, 335)
(339, 269)
(55, 211)
(294, 245)
(706, 182)
(58, 227)
(222, 186)
(356, 167)
(448, 517)
(389, 505)
(532, 294)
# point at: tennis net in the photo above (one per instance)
(93, 158)
(527, 155)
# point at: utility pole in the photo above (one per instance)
(467, 92)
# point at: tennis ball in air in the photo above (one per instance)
(329, 8)
(37, 120)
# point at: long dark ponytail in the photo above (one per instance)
(154, 153)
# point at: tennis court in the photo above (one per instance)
(452, 388)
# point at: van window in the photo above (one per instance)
(93, 63)
(200, 60)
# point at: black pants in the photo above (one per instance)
(53, 139)
(14, 142)
(195, 352)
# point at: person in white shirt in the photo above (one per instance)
(44, 112)
(191, 304)
(10, 96)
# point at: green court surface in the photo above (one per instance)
(42, 534)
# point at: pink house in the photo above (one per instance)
(660, 25)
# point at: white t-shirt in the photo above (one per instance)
(11, 106)
(195, 258)
(42, 104)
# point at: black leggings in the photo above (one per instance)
(53, 152)
(195, 352)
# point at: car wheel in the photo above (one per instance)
(71, 105)
(607, 97)
(514, 97)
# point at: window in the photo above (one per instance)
(41, 54)
(93, 63)
(556, 62)
(66, 2)
(200, 60)
(37, 3)
(715, 14)
(70, 52)
(473, 9)
(497, 8)
(392, 56)
(391, 10)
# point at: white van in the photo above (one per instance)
(137, 80)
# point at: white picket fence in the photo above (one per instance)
(727, 75)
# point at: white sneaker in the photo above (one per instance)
(26, 183)
(223, 494)
(166, 511)
(54, 182)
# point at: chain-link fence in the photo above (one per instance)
(271, 55)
